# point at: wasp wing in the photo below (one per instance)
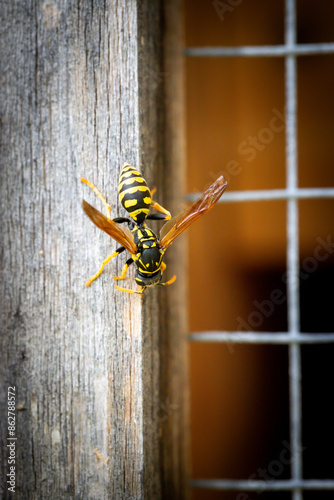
(121, 234)
(173, 228)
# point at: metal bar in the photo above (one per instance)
(262, 338)
(261, 486)
(293, 49)
(271, 194)
(293, 247)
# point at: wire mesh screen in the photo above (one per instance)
(293, 337)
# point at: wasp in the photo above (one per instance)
(146, 249)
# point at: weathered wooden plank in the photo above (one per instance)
(82, 88)
(174, 398)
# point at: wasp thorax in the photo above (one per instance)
(150, 259)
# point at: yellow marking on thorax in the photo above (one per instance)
(149, 272)
(149, 239)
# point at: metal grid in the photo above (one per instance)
(294, 338)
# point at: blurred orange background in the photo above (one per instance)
(237, 252)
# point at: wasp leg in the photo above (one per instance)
(96, 191)
(169, 282)
(158, 207)
(157, 217)
(116, 252)
(120, 220)
(125, 268)
(130, 291)
(163, 267)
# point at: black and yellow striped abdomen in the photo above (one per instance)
(134, 193)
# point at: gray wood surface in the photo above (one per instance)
(99, 375)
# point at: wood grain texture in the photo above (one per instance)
(174, 424)
(81, 93)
